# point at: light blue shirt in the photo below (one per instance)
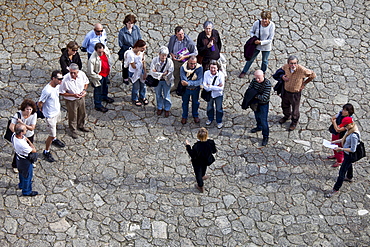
(91, 39)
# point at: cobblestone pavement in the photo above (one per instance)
(130, 181)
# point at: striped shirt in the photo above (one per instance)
(264, 88)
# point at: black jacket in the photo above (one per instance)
(280, 82)
(65, 61)
(201, 153)
(249, 97)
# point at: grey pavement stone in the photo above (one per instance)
(130, 182)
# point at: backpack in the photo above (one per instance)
(360, 151)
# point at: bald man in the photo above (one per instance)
(263, 86)
(97, 35)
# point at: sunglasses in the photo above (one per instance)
(99, 31)
(59, 78)
(74, 50)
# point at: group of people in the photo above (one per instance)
(183, 66)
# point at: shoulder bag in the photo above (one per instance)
(8, 133)
(208, 95)
(180, 88)
(151, 81)
(360, 151)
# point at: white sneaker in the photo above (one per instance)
(15, 170)
(219, 125)
(208, 122)
(34, 166)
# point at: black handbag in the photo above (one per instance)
(180, 90)
(8, 133)
(151, 81)
(39, 113)
(121, 53)
(207, 95)
(32, 157)
(360, 151)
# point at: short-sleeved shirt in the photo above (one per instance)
(50, 99)
(133, 58)
(21, 146)
(74, 86)
(31, 120)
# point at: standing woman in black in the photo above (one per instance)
(201, 156)
(70, 55)
(208, 45)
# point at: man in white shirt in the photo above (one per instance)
(50, 106)
(23, 147)
(73, 89)
(97, 35)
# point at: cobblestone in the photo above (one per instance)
(129, 182)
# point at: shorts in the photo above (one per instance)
(51, 124)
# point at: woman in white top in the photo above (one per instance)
(135, 61)
(27, 116)
(161, 69)
(214, 81)
(264, 30)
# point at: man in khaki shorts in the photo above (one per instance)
(50, 106)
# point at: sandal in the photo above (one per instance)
(145, 101)
(137, 103)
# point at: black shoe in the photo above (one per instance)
(292, 126)
(265, 140)
(84, 129)
(255, 130)
(283, 120)
(58, 143)
(33, 193)
(108, 100)
(102, 109)
(48, 157)
(126, 81)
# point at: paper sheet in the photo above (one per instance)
(328, 144)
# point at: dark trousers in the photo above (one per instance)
(14, 162)
(124, 70)
(345, 168)
(101, 92)
(290, 104)
(25, 168)
(199, 171)
(261, 118)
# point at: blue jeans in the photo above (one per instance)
(162, 94)
(261, 118)
(345, 168)
(138, 87)
(211, 110)
(101, 92)
(194, 102)
(25, 182)
(264, 64)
